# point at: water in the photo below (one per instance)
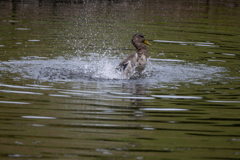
(60, 97)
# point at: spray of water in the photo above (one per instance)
(98, 67)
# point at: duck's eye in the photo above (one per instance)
(141, 36)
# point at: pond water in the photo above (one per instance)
(60, 97)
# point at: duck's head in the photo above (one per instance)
(139, 38)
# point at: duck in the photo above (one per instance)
(135, 62)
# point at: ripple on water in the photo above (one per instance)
(23, 29)
(75, 93)
(163, 109)
(201, 44)
(38, 117)
(20, 92)
(132, 97)
(13, 102)
(33, 40)
(176, 97)
(58, 95)
(223, 101)
(14, 86)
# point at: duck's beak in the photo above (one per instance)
(146, 42)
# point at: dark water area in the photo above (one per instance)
(61, 98)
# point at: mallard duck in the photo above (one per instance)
(137, 61)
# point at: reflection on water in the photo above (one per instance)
(60, 97)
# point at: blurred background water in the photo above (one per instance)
(60, 97)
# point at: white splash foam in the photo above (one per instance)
(94, 66)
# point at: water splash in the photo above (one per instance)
(94, 66)
(64, 69)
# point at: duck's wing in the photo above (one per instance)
(130, 60)
(123, 65)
